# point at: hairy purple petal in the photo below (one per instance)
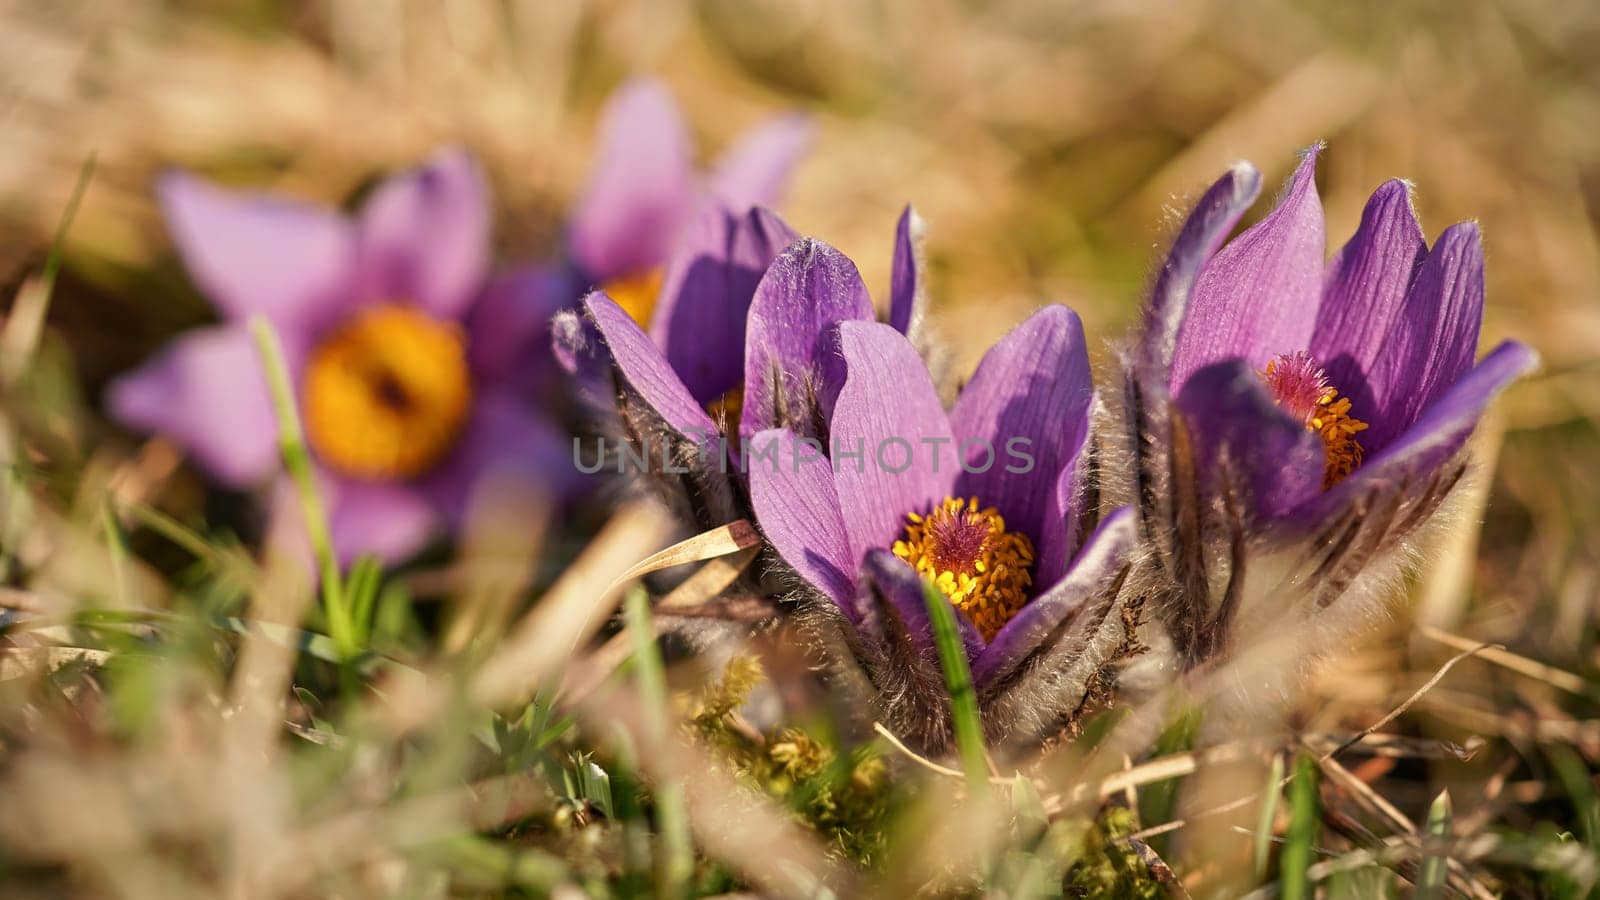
(642, 188)
(206, 390)
(1243, 442)
(425, 236)
(256, 254)
(905, 284)
(705, 298)
(755, 170)
(788, 360)
(1258, 295)
(792, 493)
(1090, 577)
(646, 371)
(1442, 428)
(1363, 299)
(1031, 393)
(1436, 338)
(888, 410)
(1203, 232)
(900, 585)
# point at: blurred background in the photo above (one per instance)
(1049, 146)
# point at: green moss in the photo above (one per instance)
(844, 798)
(1103, 865)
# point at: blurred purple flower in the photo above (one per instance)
(1275, 398)
(994, 501)
(645, 190)
(396, 336)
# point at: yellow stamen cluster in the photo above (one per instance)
(636, 293)
(984, 570)
(387, 395)
(1301, 388)
(1338, 430)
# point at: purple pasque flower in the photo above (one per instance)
(406, 396)
(646, 190)
(1280, 401)
(994, 501)
(738, 343)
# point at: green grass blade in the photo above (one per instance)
(1430, 883)
(24, 323)
(297, 459)
(1304, 813)
(963, 699)
(52, 263)
(1269, 815)
(677, 865)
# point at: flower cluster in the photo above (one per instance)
(1282, 425)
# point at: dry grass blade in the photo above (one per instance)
(1410, 701)
(1522, 665)
(730, 538)
(589, 672)
(573, 609)
(22, 662)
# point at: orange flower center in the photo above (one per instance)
(1300, 388)
(636, 293)
(387, 395)
(984, 570)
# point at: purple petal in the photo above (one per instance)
(389, 520)
(425, 236)
(797, 509)
(705, 298)
(888, 411)
(510, 326)
(505, 438)
(787, 358)
(1258, 296)
(1442, 427)
(642, 188)
(1243, 442)
(646, 370)
(1089, 578)
(1363, 298)
(206, 391)
(756, 168)
(1436, 336)
(1029, 396)
(905, 285)
(1203, 232)
(256, 254)
(901, 587)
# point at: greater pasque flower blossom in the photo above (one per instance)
(1296, 416)
(737, 344)
(410, 389)
(993, 501)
